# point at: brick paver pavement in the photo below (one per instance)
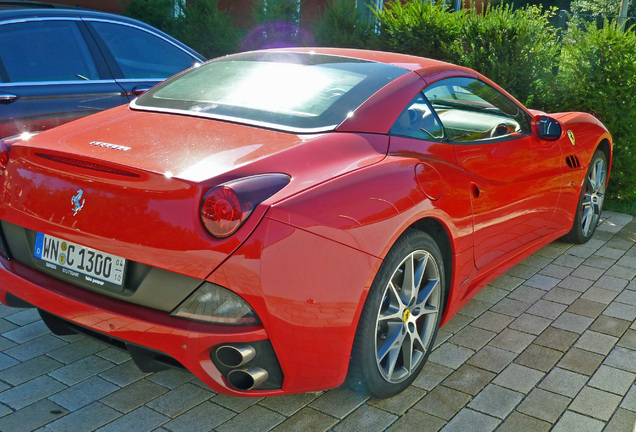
(551, 344)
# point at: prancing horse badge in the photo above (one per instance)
(78, 202)
(571, 136)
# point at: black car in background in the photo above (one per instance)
(58, 63)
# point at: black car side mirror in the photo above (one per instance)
(546, 128)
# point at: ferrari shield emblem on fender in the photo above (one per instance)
(78, 202)
(571, 136)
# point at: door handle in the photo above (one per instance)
(7, 98)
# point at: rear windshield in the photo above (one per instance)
(280, 90)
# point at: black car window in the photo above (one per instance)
(36, 51)
(141, 54)
(471, 110)
(418, 121)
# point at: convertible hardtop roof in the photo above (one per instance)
(405, 61)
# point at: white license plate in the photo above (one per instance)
(80, 261)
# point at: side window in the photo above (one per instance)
(141, 54)
(418, 121)
(36, 51)
(471, 110)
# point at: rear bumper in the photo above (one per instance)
(189, 343)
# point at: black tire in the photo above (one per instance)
(590, 205)
(393, 312)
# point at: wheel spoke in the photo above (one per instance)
(395, 308)
(425, 294)
(586, 217)
(390, 350)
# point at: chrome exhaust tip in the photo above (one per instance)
(235, 355)
(247, 379)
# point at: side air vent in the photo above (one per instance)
(87, 164)
(573, 161)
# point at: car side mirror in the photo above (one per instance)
(546, 128)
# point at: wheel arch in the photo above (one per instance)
(606, 148)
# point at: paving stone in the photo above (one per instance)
(546, 309)
(629, 401)
(572, 322)
(171, 378)
(76, 350)
(595, 403)
(619, 357)
(28, 370)
(611, 283)
(510, 307)
(31, 417)
(599, 295)
(88, 418)
(338, 402)
(627, 261)
(496, 401)
(564, 382)
(84, 393)
(492, 359)
(449, 355)
(114, 355)
(575, 283)
(613, 380)
(628, 340)
(586, 308)
(530, 324)
(457, 323)
(581, 361)
(468, 419)
(24, 316)
(30, 391)
(289, 404)
(561, 295)
(621, 272)
(571, 261)
(443, 402)
(413, 420)
(469, 379)
(518, 378)
(431, 375)
(254, 418)
(179, 400)
(522, 271)
(512, 340)
(472, 337)
(596, 342)
(491, 321)
(622, 420)
(441, 337)
(364, 419)
(587, 272)
(398, 404)
(476, 306)
(572, 421)
(123, 374)
(544, 405)
(81, 369)
(560, 340)
(610, 326)
(526, 294)
(600, 262)
(27, 332)
(627, 297)
(555, 271)
(140, 420)
(539, 357)
(235, 404)
(6, 343)
(35, 347)
(309, 419)
(507, 282)
(545, 283)
(518, 422)
(134, 395)
(202, 418)
(536, 260)
(621, 311)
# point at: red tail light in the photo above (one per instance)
(226, 207)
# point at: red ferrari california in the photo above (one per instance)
(284, 221)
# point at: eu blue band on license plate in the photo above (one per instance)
(80, 261)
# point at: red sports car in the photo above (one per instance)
(282, 221)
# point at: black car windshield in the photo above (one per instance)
(299, 92)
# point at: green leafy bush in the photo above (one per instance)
(598, 75)
(277, 25)
(421, 28)
(342, 24)
(157, 13)
(516, 48)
